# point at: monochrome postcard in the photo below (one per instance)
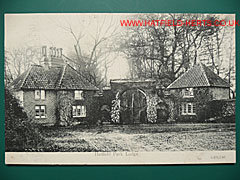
(116, 89)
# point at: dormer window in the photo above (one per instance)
(78, 95)
(39, 94)
(188, 92)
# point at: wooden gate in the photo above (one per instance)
(133, 107)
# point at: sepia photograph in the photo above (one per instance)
(118, 88)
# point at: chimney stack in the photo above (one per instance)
(51, 57)
(54, 52)
(60, 49)
(51, 51)
(44, 51)
(59, 52)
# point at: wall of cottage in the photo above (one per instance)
(59, 107)
(50, 102)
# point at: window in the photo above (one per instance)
(78, 94)
(188, 109)
(79, 111)
(40, 111)
(39, 94)
(188, 92)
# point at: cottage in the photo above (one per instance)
(54, 92)
(193, 91)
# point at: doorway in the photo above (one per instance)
(133, 107)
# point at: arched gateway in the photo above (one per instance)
(135, 101)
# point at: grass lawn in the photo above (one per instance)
(148, 137)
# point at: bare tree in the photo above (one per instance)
(19, 60)
(94, 63)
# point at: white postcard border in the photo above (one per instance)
(120, 158)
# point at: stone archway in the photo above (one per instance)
(135, 101)
(133, 106)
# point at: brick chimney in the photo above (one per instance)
(52, 58)
(51, 52)
(44, 51)
(59, 52)
(54, 52)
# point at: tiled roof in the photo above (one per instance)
(198, 76)
(62, 77)
(71, 79)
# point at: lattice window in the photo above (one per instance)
(40, 111)
(79, 111)
(188, 109)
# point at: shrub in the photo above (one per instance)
(221, 111)
(20, 133)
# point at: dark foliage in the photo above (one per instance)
(220, 111)
(20, 133)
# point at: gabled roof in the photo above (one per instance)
(198, 76)
(62, 77)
